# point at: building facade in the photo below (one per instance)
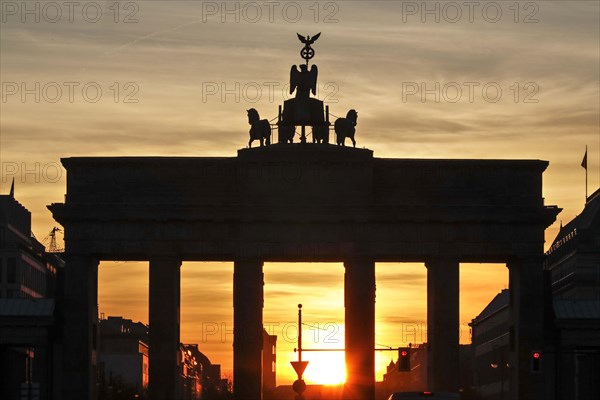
(26, 270)
(213, 386)
(573, 260)
(123, 357)
(491, 346)
(395, 380)
(573, 263)
(30, 338)
(191, 373)
(568, 356)
(269, 354)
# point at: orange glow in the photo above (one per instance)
(207, 308)
(326, 368)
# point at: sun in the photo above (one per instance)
(325, 368)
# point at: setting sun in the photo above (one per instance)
(326, 368)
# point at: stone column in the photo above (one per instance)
(359, 302)
(80, 339)
(248, 282)
(442, 324)
(163, 380)
(527, 328)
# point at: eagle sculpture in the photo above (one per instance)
(303, 80)
(307, 40)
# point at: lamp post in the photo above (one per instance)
(299, 385)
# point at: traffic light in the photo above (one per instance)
(404, 359)
(536, 361)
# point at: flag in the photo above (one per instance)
(584, 161)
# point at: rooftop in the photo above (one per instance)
(498, 303)
(578, 224)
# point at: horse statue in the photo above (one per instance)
(320, 133)
(260, 128)
(344, 127)
(286, 133)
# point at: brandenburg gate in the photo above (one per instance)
(302, 202)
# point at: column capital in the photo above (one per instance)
(359, 259)
(165, 257)
(440, 260)
(71, 255)
(249, 260)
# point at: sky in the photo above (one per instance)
(435, 79)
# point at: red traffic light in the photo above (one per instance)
(536, 361)
(404, 359)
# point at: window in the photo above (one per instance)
(11, 270)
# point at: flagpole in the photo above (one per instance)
(584, 164)
(586, 176)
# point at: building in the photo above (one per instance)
(123, 358)
(491, 347)
(573, 263)
(269, 354)
(574, 257)
(415, 380)
(29, 349)
(190, 372)
(30, 340)
(26, 270)
(569, 352)
(395, 380)
(123, 365)
(213, 386)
